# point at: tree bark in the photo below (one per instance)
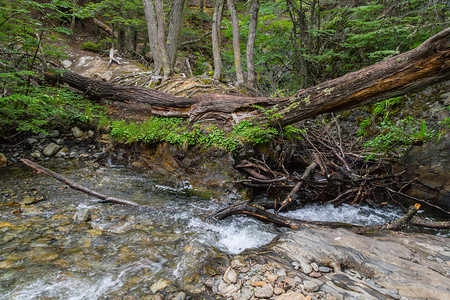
(152, 29)
(405, 73)
(176, 19)
(216, 21)
(251, 75)
(236, 43)
(162, 38)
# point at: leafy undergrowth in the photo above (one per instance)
(45, 108)
(179, 131)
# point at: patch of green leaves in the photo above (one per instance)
(44, 108)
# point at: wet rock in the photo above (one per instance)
(36, 154)
(6, 264)
(28, 200)
(61, 263)
(180, 296)
(64, 152)
(266, 291)
(238, 262)
(160, 285)
(310, 286)
(291, 295)
(77, 132)
(3, 160)
(324, 269)
(83, 215)
(51, 149)
(230, 275)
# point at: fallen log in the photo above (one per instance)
(77, 186)
(405, 73)
(246, 208)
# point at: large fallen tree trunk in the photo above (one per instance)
(408, 72)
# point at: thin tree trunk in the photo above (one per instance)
(251, 75)
(176, 19)
(162, 38)
(236, 43)
(217, 19)
(152, 28)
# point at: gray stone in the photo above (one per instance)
(281, 272)
(180, 296)
(238, 261)
(60, 142)
(266, 291)
(63, 153)
(55, 133)
(310, 286)
(227, 290)
(230, 275)
(245, 294)
(66, 64)
(77, 132)
(83, 215)
(36, 154)
(291, 295)
(315, 267)
(51, 149)
(32, 141)
(305, 266)
(315, 274)
(42, 135)
(296, 265)
(73, 154)
(324, 269)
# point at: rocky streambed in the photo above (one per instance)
(58, 243)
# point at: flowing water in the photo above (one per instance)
(45, 253)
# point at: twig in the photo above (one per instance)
(77, 186)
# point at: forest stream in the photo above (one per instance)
(57, 243)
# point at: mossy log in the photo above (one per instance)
(411, 71)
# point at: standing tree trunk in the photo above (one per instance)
(162, 38)
(216, 21)
(152, 28)
(176, 19)
(251, 75)
(236, 43)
